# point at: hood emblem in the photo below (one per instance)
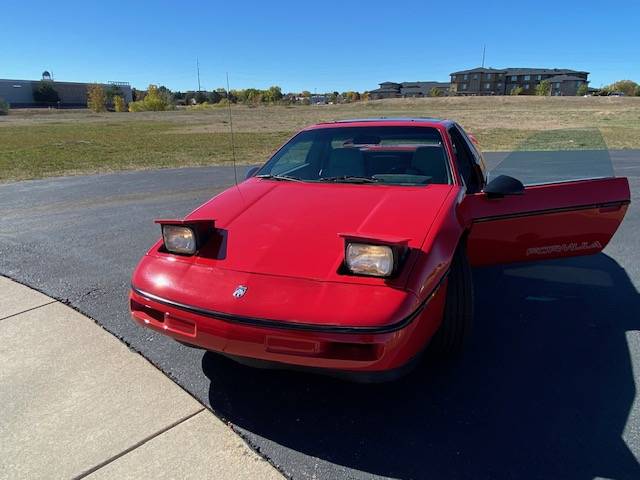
(239, 291)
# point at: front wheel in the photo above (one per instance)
(451, 337)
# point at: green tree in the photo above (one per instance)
(4, 107)
(543, 89)
(517, 91)
(155, 100)
(582, 90)
(274, 94)
(214, 97)
(96, 98)
(45, 93)
(435, 92)
(628, 87)
(200, 97)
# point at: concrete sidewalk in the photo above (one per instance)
(75, 402)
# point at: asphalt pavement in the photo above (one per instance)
(546, 389)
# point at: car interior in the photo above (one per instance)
(387, 156)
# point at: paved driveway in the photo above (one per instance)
(547, 388)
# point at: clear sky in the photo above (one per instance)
(322, 46)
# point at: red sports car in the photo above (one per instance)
(349, 251)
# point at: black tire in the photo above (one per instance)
(450, 339)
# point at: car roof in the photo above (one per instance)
(384, 121)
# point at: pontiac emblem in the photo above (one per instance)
(239, 291)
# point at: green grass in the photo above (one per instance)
(47, 150)
(36, 143)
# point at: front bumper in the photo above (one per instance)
(354, 349)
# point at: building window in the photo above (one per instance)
(514, 78)
(499, 85)
(466, 77)
(475, 77)
(487, 86)
(526, 86)
(539, 77)
(464, 86)
(578, 83)
(556, 85)
(527, 78)
(488, 76)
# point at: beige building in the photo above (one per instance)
(19, 93)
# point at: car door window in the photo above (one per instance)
(465, 161)
(292, 158)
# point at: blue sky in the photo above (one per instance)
(324, 46)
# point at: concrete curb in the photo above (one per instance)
(77, 403)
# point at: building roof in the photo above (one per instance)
(479, 70)
(521, 71)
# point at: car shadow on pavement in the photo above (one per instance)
(543, 391)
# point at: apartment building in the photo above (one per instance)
(492, 81)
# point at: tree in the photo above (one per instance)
(96, 98)
(543, 89)
(435, 92)
(4, 107)
(45, 93)
(274, 94)
(628, 87)
(200, 97)
(582, 90)
(155, 100)
(214, 97)
(119, 104)
(517, 91)
(638, 91)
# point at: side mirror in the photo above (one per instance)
(251, 172)
(503, 185)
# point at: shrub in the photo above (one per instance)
(582, 90)
(153, 101)
(96, 98)
(4, 107)
(435, 92)
(118, 104)
(543, 88)
(517, 91)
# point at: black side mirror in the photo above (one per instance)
(503, 185)
(251, 172)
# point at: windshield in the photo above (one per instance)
(388, 155)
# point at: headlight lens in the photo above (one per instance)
(179, 239)
(363, 259)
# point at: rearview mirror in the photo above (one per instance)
(503, 185)
(251, 172)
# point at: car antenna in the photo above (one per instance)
(233, 146)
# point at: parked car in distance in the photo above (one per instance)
(349, 251)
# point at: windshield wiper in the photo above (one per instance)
(279, 177)
(349, 179)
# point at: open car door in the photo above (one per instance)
(544, 221)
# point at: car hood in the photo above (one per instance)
(293, 229)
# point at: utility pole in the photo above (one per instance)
(484, 49)
(198, 70)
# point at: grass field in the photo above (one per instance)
(37, 143)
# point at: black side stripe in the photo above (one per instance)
(263, 322)
(551, 210)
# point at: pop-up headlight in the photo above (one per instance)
(185, 237)
(179, 239)
(375, 260)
